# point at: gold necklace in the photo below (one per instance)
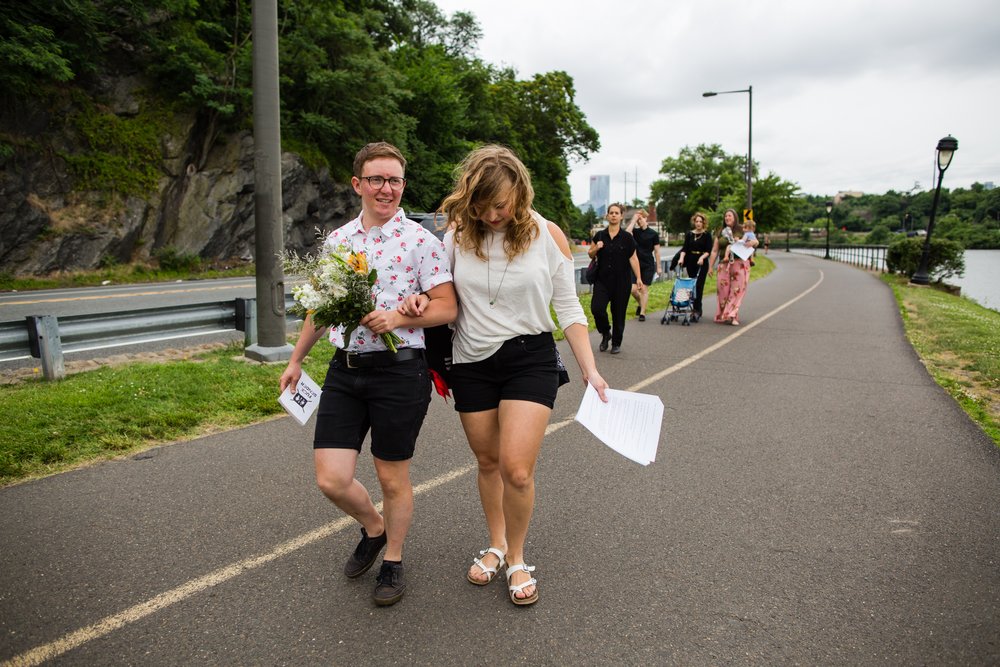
(489, 283)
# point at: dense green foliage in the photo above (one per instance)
(970, 217)
(707, 179)
(945, 258)
(352, 71)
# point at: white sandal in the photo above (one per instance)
(490, 572)
(517, 588)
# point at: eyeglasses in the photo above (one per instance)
(395, 182)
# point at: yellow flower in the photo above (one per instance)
(358, 262)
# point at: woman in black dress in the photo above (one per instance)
(694, 256)
(615, 252)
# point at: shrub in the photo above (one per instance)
(171, 259)
(878, 236)
(946, 257)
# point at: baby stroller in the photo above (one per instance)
(681, 308)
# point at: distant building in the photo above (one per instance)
(844, 194)
(988, 185)
(600, 194)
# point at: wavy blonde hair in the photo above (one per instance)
(481, 179)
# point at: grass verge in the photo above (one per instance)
(120, 274)
(959, 342)
(120, 410)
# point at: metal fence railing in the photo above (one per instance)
(870, 257)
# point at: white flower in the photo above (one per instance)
(307, 296)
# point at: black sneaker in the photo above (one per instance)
(364, 554)
(642, 318)
(389, 586)
(638, 310)
(604, 341)
(615, 349)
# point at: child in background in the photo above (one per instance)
(748, 235)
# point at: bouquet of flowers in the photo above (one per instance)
(337, 291)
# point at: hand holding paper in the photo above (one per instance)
(628, 423)
(303, 401)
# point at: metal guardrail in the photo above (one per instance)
(47, 337)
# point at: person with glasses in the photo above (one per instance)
(371, 388)
(694, 257)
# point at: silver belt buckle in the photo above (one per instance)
(349, 357)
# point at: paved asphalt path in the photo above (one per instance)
(816, 499)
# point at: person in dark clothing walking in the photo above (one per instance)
(694, 256)
(647, 250)
(616, 256)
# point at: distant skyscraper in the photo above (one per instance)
(600, 193)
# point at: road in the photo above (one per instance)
(816, 499)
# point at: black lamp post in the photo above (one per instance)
(749, 90)
(829, 208)
(788, 235)
(945, 151)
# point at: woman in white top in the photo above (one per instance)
(509, 264)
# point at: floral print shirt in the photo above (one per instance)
(409, 260)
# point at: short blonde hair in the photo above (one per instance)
(482, 177)
(749, 225)
(374, 151)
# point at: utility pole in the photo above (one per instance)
(271, 344)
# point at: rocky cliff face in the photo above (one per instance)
(202, 204)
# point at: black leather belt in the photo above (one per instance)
(376, 359)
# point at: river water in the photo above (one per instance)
(982, 277)
(980, 282)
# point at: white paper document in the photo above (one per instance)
(741, 250)
(303, 402)
(628, 423)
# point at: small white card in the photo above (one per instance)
(304, 401)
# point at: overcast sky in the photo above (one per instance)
(847, 94)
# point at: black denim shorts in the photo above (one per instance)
(391, 401)
(523, 369)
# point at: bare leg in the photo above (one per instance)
(482, 429)
(522, 427)
(397, 504)
(335, 477)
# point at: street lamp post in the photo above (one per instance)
(829, 208)
(748, 89)
(945, 152)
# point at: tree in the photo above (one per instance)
(540, 121)
(706, 178)
(945, 259)
(587, 220)
(773, 202)
(696, 180)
